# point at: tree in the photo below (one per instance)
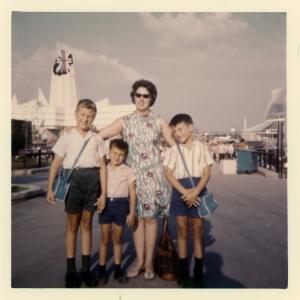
(21, 135)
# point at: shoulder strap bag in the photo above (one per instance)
(208, 203)
(62, 184)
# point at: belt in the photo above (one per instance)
(83, 169)
(117, 199)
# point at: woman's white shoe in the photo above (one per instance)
(149, 275)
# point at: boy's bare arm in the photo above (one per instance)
(192, 195)
(132, 204)
(174, 182)
(182, 190)
(101, 201)
(206, 172)
(57, 161)
(103, 175)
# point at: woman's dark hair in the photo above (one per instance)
(119, 144)
(147, 85)
(185, 118)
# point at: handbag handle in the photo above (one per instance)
(185, 166)
(76, 159)
(165, 225)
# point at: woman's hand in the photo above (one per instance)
(130, 220)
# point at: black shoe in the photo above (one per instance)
(121, 277)
(72, 280)
(183, 273)
(183, 282)
(183, 279)
(198, 283)
(198, 273)
(103, 278)
(88, 279)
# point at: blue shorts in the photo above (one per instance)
(178, 207)
(115, 211)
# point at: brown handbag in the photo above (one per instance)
(166, 256)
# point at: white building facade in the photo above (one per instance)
(58, 112)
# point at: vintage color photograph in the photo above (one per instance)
(149, 150)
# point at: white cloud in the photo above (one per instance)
(91, 69)
(31, 73)
(86, 59)
(192, 27)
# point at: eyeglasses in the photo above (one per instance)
(145, 96)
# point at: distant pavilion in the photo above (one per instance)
(48, 117)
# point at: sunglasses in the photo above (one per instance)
(145, 96)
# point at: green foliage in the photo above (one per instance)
(20, 132)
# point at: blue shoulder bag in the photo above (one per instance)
(62, 184)
(208, 203)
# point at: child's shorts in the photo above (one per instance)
(84, 190)
(115, 211)
(178, 207)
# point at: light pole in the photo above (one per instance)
(206, 134)
(233, 130)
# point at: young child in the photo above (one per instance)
(118, 211)
(184, 199)
(87, 182)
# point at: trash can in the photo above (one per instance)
(247, 160)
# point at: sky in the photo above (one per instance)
(217, 67)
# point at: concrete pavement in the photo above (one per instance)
(245, 240)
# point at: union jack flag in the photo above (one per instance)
(63, 63)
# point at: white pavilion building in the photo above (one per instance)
(275, 113)
(58, 112)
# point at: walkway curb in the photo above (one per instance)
(32, 191)
(267, 173)
(30, 171)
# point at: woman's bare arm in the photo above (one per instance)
(167, 132)
(112, 129)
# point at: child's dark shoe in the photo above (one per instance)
(121, 277)
(198, 284)
(103, 278)
(89, 279)
(183, 273)
(183, 282)
(198, 273)
(72, 280)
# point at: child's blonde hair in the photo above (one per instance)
(87, 103)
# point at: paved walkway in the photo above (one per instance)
(245, 240)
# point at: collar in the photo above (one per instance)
(193, 144)
(121, 166)
(142, 117)
(88, 134)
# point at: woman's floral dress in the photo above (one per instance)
(143, 135)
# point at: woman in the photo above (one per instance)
(142, 130)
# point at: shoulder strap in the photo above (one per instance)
(77, 158)
(185, 166)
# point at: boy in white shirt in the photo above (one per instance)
(185, 198)
(87, 188)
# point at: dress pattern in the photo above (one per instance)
(144, 138)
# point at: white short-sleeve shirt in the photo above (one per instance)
(69, 144)
(196, 159)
